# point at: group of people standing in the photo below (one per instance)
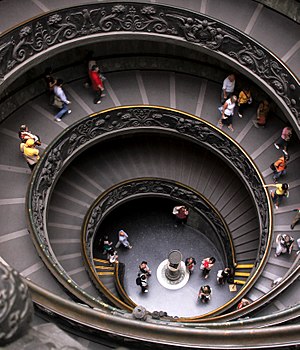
(279, 167)
(232, 104)
(109, 249)
(28, 146)
(237, 104)
(205, 291)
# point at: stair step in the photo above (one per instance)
(242, 274)
(244, 266)
(111, 268)
(101, 260)
(239, 282)
(105, 273)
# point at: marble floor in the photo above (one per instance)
(152, 233)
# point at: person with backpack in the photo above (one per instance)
(279, 167)
(144, 268)
(284, 244)
(280, 192)
(142, 281)
(61, 101)
(223, 275)
(50, 82)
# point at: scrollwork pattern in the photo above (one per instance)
(82, 134)
(161, 187)
(67, 24)
(264, 66)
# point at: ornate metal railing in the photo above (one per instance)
(53, 30)
(122, 120)
(137, 188)
(115, 328)
(119, 285)
(290, 277)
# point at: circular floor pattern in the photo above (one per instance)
(152, 232)
(165, 282)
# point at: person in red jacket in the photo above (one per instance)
(181, 214)
(97, 83)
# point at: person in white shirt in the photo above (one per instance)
(123, 240)
(228, 87)
(59, 93)
(227, 111)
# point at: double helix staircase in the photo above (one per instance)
(111, 162)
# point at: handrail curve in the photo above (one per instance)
(116, 121)
(72, 314)
(142, 187)
(23, 44)
(228, 320)
(120, 288)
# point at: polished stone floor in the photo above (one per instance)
(152, 232)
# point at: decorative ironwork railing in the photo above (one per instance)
(114, 328)
(113, 122)
(23, 43)
(137, 188)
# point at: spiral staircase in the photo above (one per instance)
(149, 155)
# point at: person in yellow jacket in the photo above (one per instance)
(244, 100)
(280, 192)
(31, 154)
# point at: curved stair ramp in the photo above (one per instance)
(16, 174)
(74, 139)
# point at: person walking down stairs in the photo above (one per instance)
(279, 167)
(97, 84)
(60, 101)
(284, 139)
(280, 192)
